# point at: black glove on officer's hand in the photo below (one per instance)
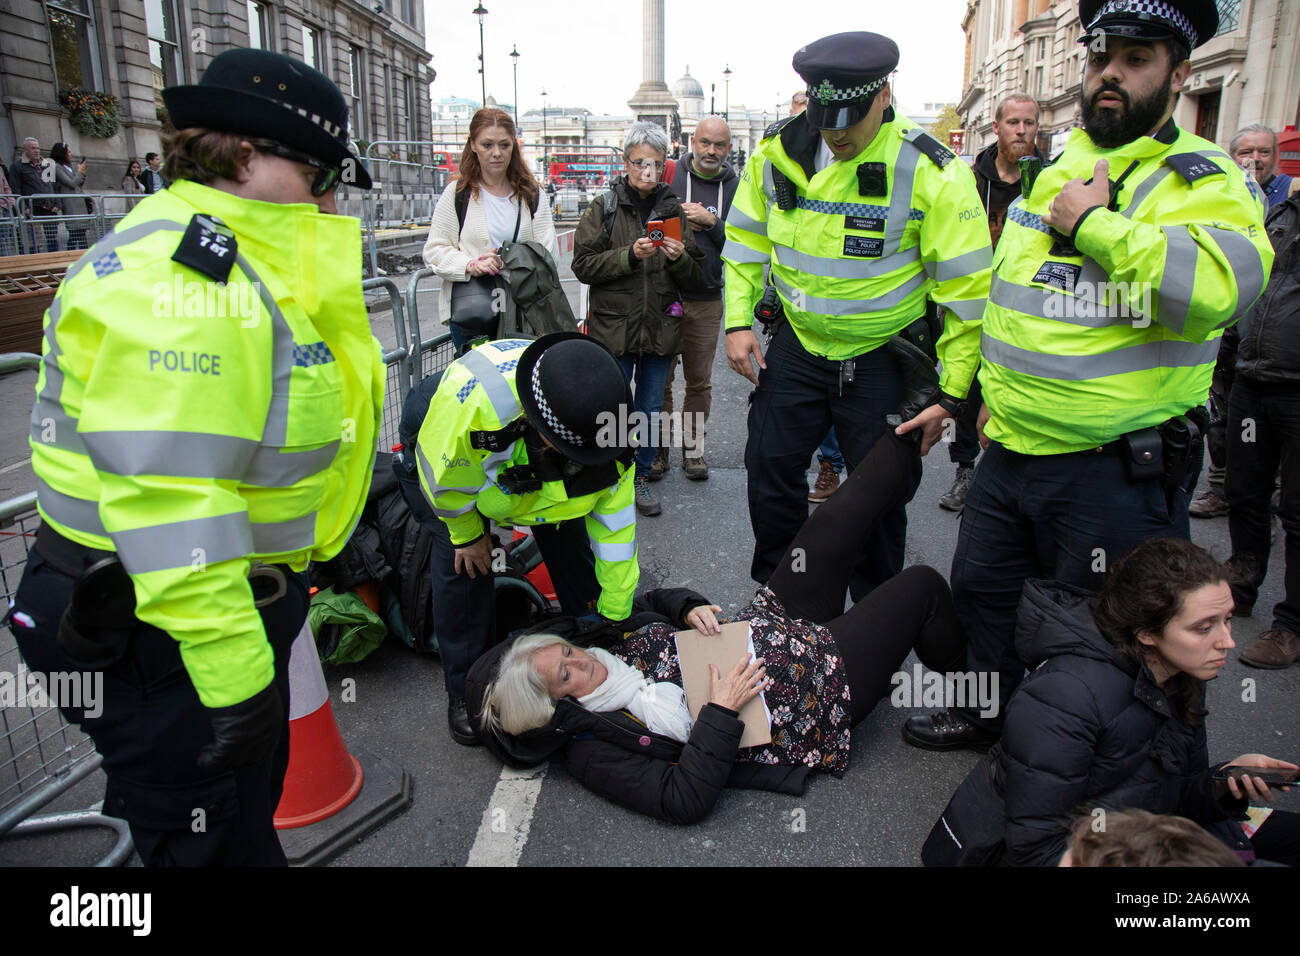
(244, 733)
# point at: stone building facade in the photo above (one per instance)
(1248, 73)
(373, 50)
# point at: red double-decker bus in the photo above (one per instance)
(582, 169)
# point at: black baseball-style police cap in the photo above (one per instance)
(1190, 21)
(844, 72)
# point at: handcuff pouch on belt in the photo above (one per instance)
(1168, 451)
(95, 629)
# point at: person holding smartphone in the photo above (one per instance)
(635, 282)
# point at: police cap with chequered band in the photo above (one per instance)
(257, 93)
(844, 72)
(571, 388)
(1191, 21)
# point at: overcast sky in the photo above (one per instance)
(590, 54)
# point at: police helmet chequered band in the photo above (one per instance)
(334, 129)
(826, 92)
(1151, 8)
(556, 425)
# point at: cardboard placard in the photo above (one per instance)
(696, 651)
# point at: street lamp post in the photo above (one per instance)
(726, 79)
(514, 56)
(545, 166)
(481, 12)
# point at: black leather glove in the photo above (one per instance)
(244, 733)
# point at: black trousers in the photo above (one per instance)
(1255, 452)
(464, 608)
(1063, 517)
(911, 610)
(797, 400)
(965, 446)
(150, 727)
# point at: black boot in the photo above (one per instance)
(458, 723)
(920, 380)
(946, 730)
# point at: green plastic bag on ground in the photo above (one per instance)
(344, 628)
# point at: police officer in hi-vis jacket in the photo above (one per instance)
(1114, 279)
(205, 425)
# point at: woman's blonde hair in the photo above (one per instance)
(518, 700)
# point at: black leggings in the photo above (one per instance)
(910, 610)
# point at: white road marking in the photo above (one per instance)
(14, 466)
(507, 819)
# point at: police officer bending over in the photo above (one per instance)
(194, 451)
(1116, 276)
(862, 218)
(526, 433)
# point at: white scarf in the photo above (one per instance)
(661, 707)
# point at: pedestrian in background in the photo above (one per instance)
(152, 178)
(997, 177)
(131, 184)
(28, 178)
(8, 212)
(636, 283)
(68, 179)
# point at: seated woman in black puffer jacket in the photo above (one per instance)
(1112, 714)
(620, 716)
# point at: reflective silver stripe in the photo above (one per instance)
(900, 192)
(1179, 277)
(1243, 259)
(180, 544)
(1055, 305)
(734, 251)
(606, 551)
(119, 238)
(829, 268)
(48, 409)
(1139, 194)
(968, 263)
(741, 221)
(76, 513)
(198, 455)
(819, 306)
(426, 469)
(276, 430)
(769, 184)
(1170, 353)
(618, 520)
(277, 537)
(455, 512)
(968, 310)
(499, 393)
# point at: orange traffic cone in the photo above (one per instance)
(330, 797)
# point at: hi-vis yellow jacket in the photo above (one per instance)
(191, 426)
(478, 392)
(1080, 349)
(854, 263)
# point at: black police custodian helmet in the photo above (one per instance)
(1190, 21)
(270, 96)
(569, 386)
(844, 72)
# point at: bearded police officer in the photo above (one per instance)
(862, 217)
(205, 425)
(508, 437)
(1116, 276)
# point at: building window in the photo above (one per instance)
(311, 53)
(406, 10)
(1042, 49)
(408, 101)
(259, 25)
(1038, 81)
(1229, 16)
(357, 102)
(164, 51)
(72, 35)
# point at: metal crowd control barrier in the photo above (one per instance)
(25, 232)
(41, 754)
(400, 199)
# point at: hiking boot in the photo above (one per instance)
(695, 469)
(1273, 650)
(646, 503)
(946, 730)
(1208, 505)
(955, 499)
(828, 479)
(659, 467)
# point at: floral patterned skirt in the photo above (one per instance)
(809, 695)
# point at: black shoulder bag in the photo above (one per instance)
(475, 304)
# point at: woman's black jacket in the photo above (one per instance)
(1089, 728)
(614, 754)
